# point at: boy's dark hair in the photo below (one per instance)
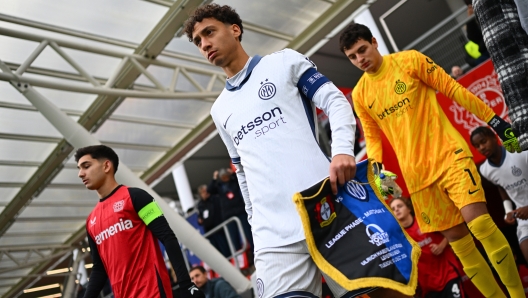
(198, 267)
(352, 34)
(224, 14)
(407, 203)
(483, 130)
(99, 152)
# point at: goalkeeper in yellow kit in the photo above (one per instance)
(397, 95)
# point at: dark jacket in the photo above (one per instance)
(231, 200)
(219, 288)
(209, 211)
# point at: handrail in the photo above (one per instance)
(233, 254)
(435, 28)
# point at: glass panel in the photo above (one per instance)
(122, 19)
(68, 176)
(67, 195)
(185, 110)
(9, 93)
(115, 131)
(55, 212)
(260, 44)
(26, 123)
(289, 17)
(138, 158)
(68, 100)
(16, 174)
(24, 150)
(7, 193)
(45, 226)
(33, 240)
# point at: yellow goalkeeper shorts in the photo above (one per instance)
(437, 207)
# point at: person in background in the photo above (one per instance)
(510, 173)
(438, 268)
(209, 217)
(214, 288)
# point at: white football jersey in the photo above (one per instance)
(511, 174)
(268, 128)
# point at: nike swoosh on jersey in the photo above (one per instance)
(472, 192)
(225, 123)
(370, 105)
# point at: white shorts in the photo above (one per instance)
(289, 271)
(522, 230)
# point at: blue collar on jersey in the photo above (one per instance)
(504, 152)
(252, 64)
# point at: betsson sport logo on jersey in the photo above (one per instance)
(113, 229)
(261, 125)
(398, 109)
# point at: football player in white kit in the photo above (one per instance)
(509, 171)
(265, 117)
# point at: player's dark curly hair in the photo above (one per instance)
(225, 14)
(483, 130)
(99, 152)
(352, 34)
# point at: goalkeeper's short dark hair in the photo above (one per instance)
(198, 267)
(483, 130)
(352, 34)
(99, 152)
(223, 13)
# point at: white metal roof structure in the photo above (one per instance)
(122, 70)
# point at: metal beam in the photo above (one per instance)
(44, 139)
(37, 233)
(106, 91)
(92, 119)
(95, 37)
(324, 24)
(119, 118)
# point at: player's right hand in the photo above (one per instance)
(189, 290)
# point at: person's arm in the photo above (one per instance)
(235, 159)
(315, 88)
(212, 188)
(435, 77)
(225, 290)
(438, 249)
(149, 211)
(371, 130)
(509, 218)
(98, 276)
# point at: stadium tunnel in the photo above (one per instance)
(121, 73)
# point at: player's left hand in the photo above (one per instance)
(437, 249)
(342, 169)
(506, 134)
(521, 213)
(189, 290)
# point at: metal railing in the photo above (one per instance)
(223, 226)
(445, 42)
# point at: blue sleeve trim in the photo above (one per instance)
(235, 160)
(310, 82)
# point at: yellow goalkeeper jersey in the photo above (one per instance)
(400, 100)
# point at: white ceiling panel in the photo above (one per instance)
(7, 193)
(26, 123)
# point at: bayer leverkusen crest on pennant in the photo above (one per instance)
(354, 238)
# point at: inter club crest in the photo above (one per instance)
(400, 87)
(516, 171)
(325, 212)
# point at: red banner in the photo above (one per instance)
(484, 83)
